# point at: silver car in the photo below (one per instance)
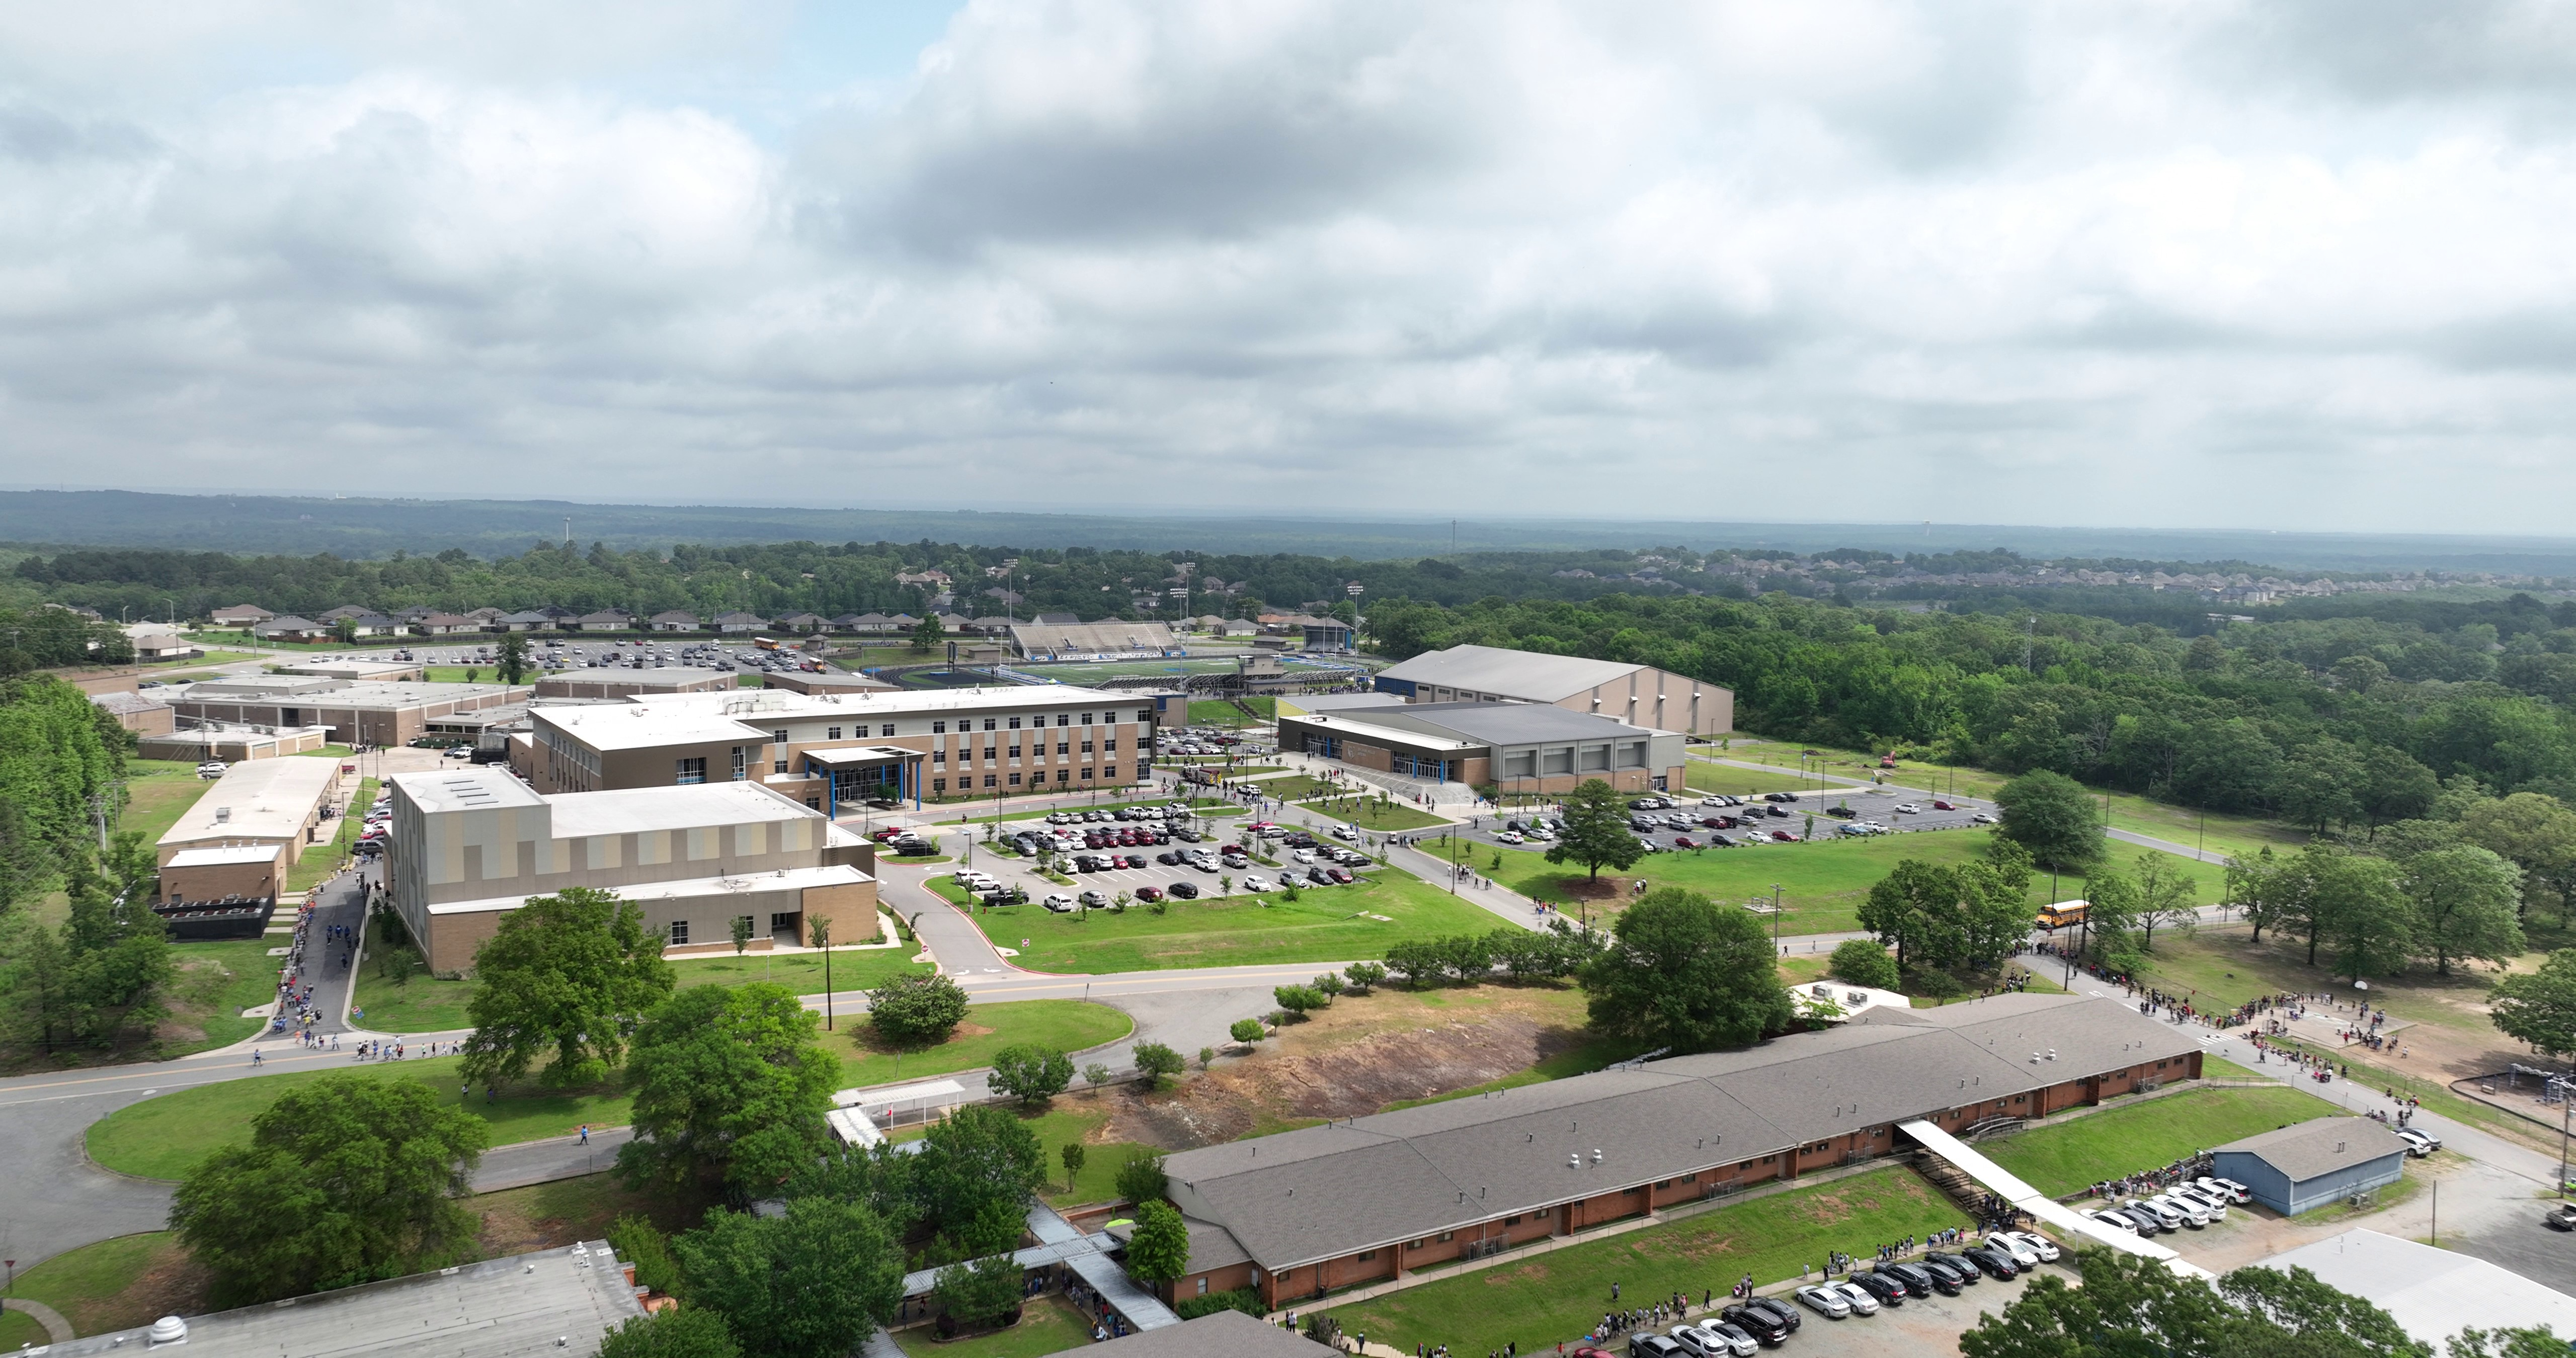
(2023, 1256)
(1824, 1302)
(1728, 1339)
(2213, 1203)
(2039, 1244)
(1857, 1296)
(2193, 1214)
(1700, 1342)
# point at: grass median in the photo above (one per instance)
(1540, 1300)
(116, 1284)
(1065, 1025)
(2065, 1157)
(429, 1004)
(1324, 924)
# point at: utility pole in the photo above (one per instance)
(2029, 633)
(820, 932)
(1775, 917)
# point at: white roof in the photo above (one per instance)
(890, 1096)
(217, 857)
(626, 811)
(633, 726)
(689, 888)
(464, 790)
(2431, 1292)
(265, 799)
(1508, 673)
(754, 704)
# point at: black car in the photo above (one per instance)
(1788, 1314)
(1916, 1282)
(1964, 1271)
(1887, 1289)
(2148, 1223)
(1188, 891)
(1319, 877)
(1765, 1327)
(1009, 895)
(1170, 858)
(1996, 1264)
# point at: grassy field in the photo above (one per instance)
(2064, 1157)
(1046, 1325)
(1704, 776)
(118, 1284)
(158, 792)
(1205, 806)
(224, 979)
(1324, 924)
(1822, 883)
(1558, 1296)
(1066, 1025)
(1299, 787)
(427, 1004)
(1371, 814)
(1218, 712)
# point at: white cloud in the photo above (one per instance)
(2212, 263)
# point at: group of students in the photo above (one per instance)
(2153, 1180)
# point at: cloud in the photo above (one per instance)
(2207, 264)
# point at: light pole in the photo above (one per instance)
(1775, 917)
(820, 931)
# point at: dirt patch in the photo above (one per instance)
(1357, 1057)
(568, 1211)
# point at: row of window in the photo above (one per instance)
(967, 784)
(1571, 759)
(939, 754)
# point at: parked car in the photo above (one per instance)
(1185, 891)
(2235, 1191)
(1885, 1287)
(1829, 1304)
(1060, 903)
(1319, 876)
(1840, 812)
(1994, 1263)
(1092, 900)
(1738, 1343)
(1908, 809)
(2023, 1256)
(1862, 1301)
(1917, 1280)
(1654, 1346)
(1700, 1343)
(1960, 1270)
(1256, 883)
(1340, 876)
(2212, 1205)
(1767, 1329)
(212, 768)
(2561, 1217)
(2418, 1144)
(2118, 1221)
(1983, 818)
(1149, 893)
(2037, 1244)
(1788, 1314)
(1685, 842)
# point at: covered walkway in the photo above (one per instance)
(2069, 1223)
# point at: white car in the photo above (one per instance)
(2114, 1221)
(1982, 818)
(2023, 1256)
(1823, 1302)
(1859, 1298)
(2174, 1211)
(2215, 1206)
(1302, 856)
(1701, 1343)
(1256, 883)
(1725, 1339)
(1508, 837)
(2417, 1144)
(2235, 1191)
(1345, 832)
(1060, 903)
(2039, 1244)
(1908, 809)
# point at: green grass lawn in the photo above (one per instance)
(19, 1330)
(1066, 1025)
(163, 1137)
(1324, 924)
(1704, 776)
(1205, 806)
(158, 792)
(94, 1286)
(1555, 1297)
(2064, 1157)
(1369, 813)
(224, 979)
(2220, 1068)
(1300, 787)
(1822, 882)
(1046, 1325)
(1217, 712)
(427, 1004)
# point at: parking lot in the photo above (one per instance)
(1921, 1325)
(1022, 872)
(639, 653)
(1758, 819)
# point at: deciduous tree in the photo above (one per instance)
(729, 1085)
(1031, 1074)
(1596, 831)
(802, 1284)
(567, 977)
(1159, 1251)
(1158, 1062)
(2053, 817)
(1862, 962)
(917, 1010)
(672, 1332)
(2539, 1007)
(2465, 899)
(977, 1170)
(1140, 1177)
(1687, 974)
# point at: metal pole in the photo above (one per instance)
(2563, 1108)
(1775, 917)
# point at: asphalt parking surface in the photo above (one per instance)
(1877, 805)
(1022, 873)
(1921, 1325)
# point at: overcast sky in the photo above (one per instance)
(2288, 264)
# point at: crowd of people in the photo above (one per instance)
(2180, 1171)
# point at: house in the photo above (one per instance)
(673, 621)
(2311, 1164)
(444, 625)
(933, 576)
(802, 622)
(527, 620)
(372, 625)
(241, 615)
(989, 625)
(605, 620)
(847, 622)
(484, 615)
(159, 641)
(872, 624)
(412, 614)
(343, 611)
(1640, 695)
(740, 624)
(136, 713)
(292, 628)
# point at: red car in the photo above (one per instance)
(1341, 877)
(1149, 893)
(1223, 849)
(1784, 836)
(1685, 842)
(1939, 805)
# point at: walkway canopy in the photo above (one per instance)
(2068, 1221)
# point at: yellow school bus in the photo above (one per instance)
(2060, 915)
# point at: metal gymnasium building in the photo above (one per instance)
(1305, 1213)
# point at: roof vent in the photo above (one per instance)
(168, 1330)
(1596, 1155)
(1574, 1160)
(223, 815)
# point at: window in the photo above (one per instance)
(778, 737)
(1513, 1220)
(1110, 746)
(679, 931)
(1557, 760)
(1064, 747)
(691, 771)
(1061, 718)
(1413, 1244)
(991, 780)
(831, 733)
(1366, 1255)
(741, 763)
(1446, 1236)
(1015, 752)
(1142, 717)
(939, 755)
(1523, 764)
(1086, 719)
(988, 724)
(1663, 1185)
(1064, 775)
(939, 785)
(1015, 723)
(1086, 773)
(1086, 747)
(1106, 771)
(1015, 780)
(1596, 758)
(939, 728)
(1541, 1213)
(1633, 755)
(1628, 1192)
(1202, 1285)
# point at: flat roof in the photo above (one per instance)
(1226, 1334)
(642, 726)
(859, 756)
(2321, 1146)
(632, 810)
(256, 686)
(225, 854)
(316, 691)
(261, 798)
(518, 1307)
(1510, 673)
(754, 703)
(2430, 1292)
(466, 789)
(350, 669)
(651, 676)
(688, 888)
(1514, 723)
(1367, 722)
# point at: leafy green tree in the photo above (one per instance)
(799, 1285)
(672, 1332)
(741, 934)
(2539, 1007)
(2537, 832)
(1159, 1251)
(347, 1179)
(2465, 898)
(1469, 957)
(1140, 1177)
(2393, 785)
(1417, 960)
(1687, 974)
(2053, 817)
(2165, 897)
(513, 664)
(1365, 976)
(2258, 888)
(1030, 1073)
(1911, 909)
(917, 1010)
(928, 635)
(1596, 830)
(2131, 1306)
(641, 1243)
(1158, 1062)
(2319, 785)
(1329, 985)
(730, 1085)
(1073, 1154)
(2526, 1342)
(975, 1174)
(2359, 908)
(1864, 963)
(1095, 1074)
(568, 976)
(984, 1293)
(1247, 1031)
(1297, 999)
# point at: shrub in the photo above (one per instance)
(1141, 1178)
(1242, 1299)
(917, 1010)
(1297, 999)
(1862, 962)
(1157, 1061)
(1329, 985)
(1248, 1031)
(641, 1243)
(1932, 983)
(1364, 976)
(1030, 1074)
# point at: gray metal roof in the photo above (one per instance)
(1512, 674)
(1319, 1192)
(1513, 723)
(1226, 1334)
(2308, 1150)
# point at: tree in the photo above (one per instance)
(2165, 896)
(672, 1332)
(1596, 831)
(2053, 817)
(1364, 976)
(984, 1293)
(1329, 985)
(928, 635)
(642, 1244)
(567, 976)
(1417, 960)
(729, 1085)
(1073, 1154)
(2539, 1007)
(1297, 999)
(1864, 963)
(347, 1179)
(2258, 889)
(513, 664)
(1910, 910)
(798, 1285)
(1031, 1074)
(917, 1010)
(1140, 1178)
(976, 1172)
(1687, 974)
(1247, 1031)
(2535, 831)
(1157, 1061)
(1159, 1251)
(2359, 908)
(2393, 785)
(2131, 1306)
(2465, 898)
(2319, 785)
(741, 934)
